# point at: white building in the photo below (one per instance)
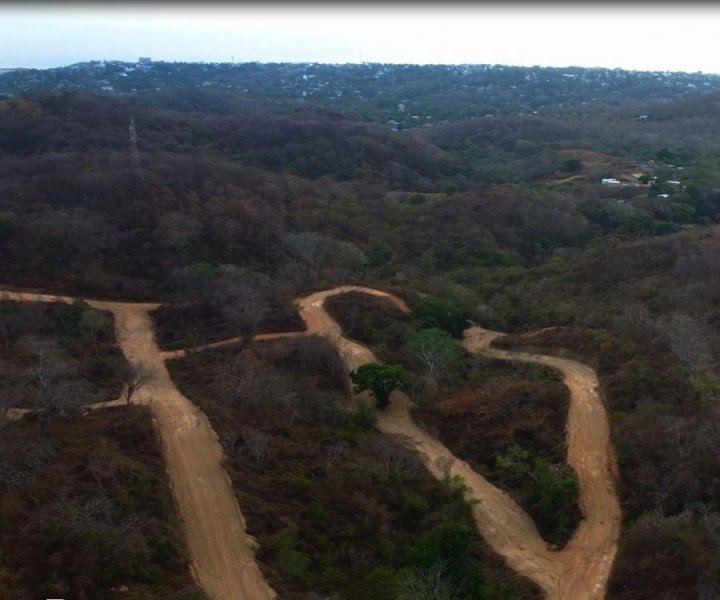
(610, 182)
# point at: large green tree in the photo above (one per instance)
(442, 314)
(441, 354)
(379, 380)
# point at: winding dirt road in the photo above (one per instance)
(578, 572)
(221, 551)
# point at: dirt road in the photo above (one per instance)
(581, 570)
(170, 354)
(221, 551)
(583, 566)
(317, 320)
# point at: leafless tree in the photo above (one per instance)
(13, 391)
(293, 406)
(429, 583)
(311, 252)
(230, 443)
(700, 264)
(679, 437)
(102, 469)
(394, 460)
(259, 390)
(308, 250)
(699, 299)
(348, 261)
(53, 392)
(135, 377)
(334, 454)
(636, 317)
(78, 515)
(256, 443)
(244, 307)
(320, 355)
(77, 231)
(688, 340)
(61, 400)
(20, 459)
(51, 361)
(239, 295)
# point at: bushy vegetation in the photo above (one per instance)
(237, 190)
(84, 500)
(643, 316)
(548, 491)
(374, 322)
(87, 511)
(335, 506)
(250, 194)
(484, 409)
(440, 313)
(218, 303)
(508, 422)
(56, 357)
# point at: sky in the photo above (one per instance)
(659, 37)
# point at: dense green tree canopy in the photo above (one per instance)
(379, 380)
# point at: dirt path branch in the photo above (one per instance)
(221, 551)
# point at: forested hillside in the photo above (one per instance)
(478, 186)
(409, 95)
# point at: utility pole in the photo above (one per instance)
(134, 155)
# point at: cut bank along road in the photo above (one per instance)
(578, 572)
(221, 551)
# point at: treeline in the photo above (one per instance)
(410, 95)
(313, 198)
(309, 143)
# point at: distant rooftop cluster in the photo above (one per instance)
(401, 96)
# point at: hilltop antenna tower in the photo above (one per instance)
(134, 155)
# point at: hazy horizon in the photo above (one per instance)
(135, 60)
(628, 36)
